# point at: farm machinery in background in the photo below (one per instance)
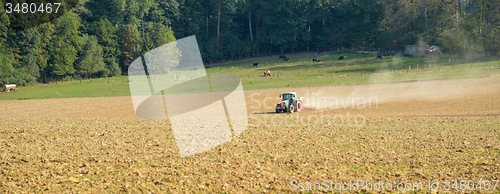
(9, 87)
(289, 103)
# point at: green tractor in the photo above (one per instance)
(289, 103)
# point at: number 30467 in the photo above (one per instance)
(26, 8)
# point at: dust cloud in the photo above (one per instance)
(371, 95)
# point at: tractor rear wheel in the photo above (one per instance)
(299, 106)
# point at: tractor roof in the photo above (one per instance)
(290, 93)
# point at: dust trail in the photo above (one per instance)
(370, 95)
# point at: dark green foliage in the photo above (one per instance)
(64, 46)
(10, 75)
(6, 69)
(130, 45)
(118, 31)
(33, 46)
(91, 58)
(4, 25)
(107, 35)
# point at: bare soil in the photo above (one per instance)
(395, 132)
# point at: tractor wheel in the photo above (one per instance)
(278, 110)
(291, 109)
(299, 106)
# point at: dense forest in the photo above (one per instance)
(100, 38)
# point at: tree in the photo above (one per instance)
(4, 25)
(46, 31)
(106, 34)
(164, 12)
(30, 42)
(64, 45)
(401, 23)
(488, 32)
(6, 70)
(91, 58)
(160, 34)
(468, 27)
(32, 45)
(136, 10)
(111, 10)
(281, 26)
(130, 45)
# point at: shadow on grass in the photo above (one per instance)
(311, 65)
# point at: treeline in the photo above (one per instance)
(100, 38)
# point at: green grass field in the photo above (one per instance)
(300, 71)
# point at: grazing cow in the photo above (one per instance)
(380, 57)
(286, 59)
(255, 64)
(341, 58)
(267, 73)
(316, 60)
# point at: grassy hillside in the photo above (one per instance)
(299, 71)
(355, 69)
(116, 86)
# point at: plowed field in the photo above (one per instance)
(411, 132)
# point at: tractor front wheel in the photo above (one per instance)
(291, 109)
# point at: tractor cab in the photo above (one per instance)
(287, 95)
